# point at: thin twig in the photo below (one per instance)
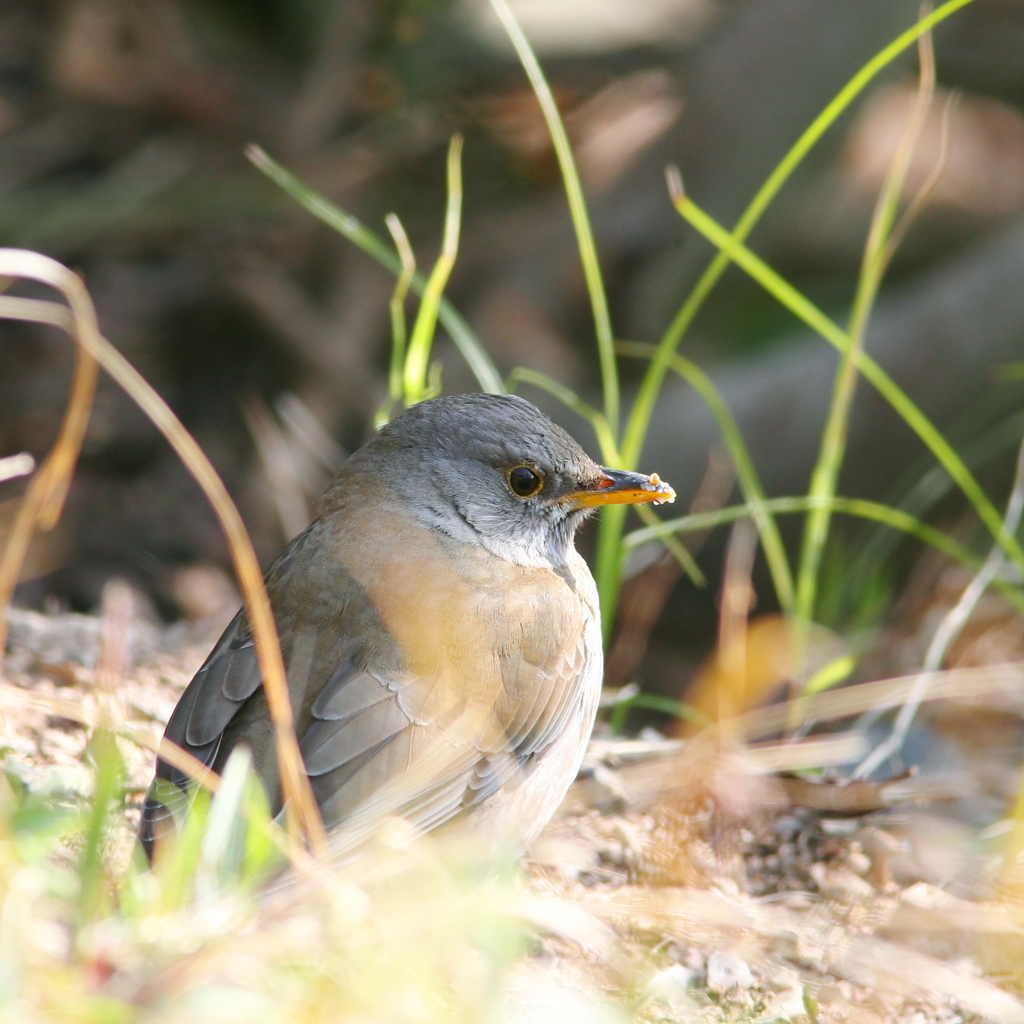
(44, 499)
(301, 809)
(737, 601)
(948, 630)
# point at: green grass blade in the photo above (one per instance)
(610, 564)
(875, 511)
(825, 476)
(220, 850)
(654, 702)
(415, 384)
(931, 486)
(680, 553)
(643, 408)
(746, 474)
(109, 773)
(399, 335)
(577, 209)
(872, 372)
(860, 507)
(373, 245)
(830, 674)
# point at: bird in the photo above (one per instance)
(440, 631)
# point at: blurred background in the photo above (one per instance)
(122, 130)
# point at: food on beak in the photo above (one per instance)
(622, 487)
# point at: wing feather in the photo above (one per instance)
(330, 744)
(339, 699)
(230, 676)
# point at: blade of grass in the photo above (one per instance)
(678, 552)
(643, 407)
(860, 507)
(225, 862)
(108, 774)
(398, 325)
(415, 385)
(44, 498)
(949, 629)
(831, 674)
(746, 474)
(825, 476)
(610, 563)
(301, 809)
(577, 209)
(654, 702)
(872, 372)
(928, 186)
(373, 245)
(930, 488)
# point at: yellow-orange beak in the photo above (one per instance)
(620, 487)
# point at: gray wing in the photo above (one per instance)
(368, 752)
(227, 679)
(201, 723)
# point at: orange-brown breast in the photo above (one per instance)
(477, 634)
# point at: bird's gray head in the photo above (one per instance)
(493, 470)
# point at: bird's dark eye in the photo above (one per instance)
(524, 481)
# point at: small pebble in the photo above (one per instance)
(673, 987)
(726, 972)
(788, 826)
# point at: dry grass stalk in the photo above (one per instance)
(42, 504)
